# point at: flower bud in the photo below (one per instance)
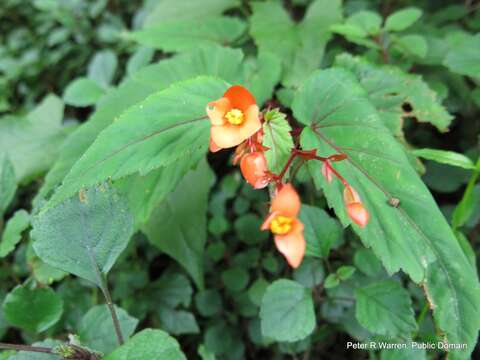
(254, 169)
(327, 172)
(355, 209)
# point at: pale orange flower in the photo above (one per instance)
(254, 169)
(355, 209)
(284, 224)
(234, 118)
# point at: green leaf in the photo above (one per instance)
(235, 279)
(299, 46)
(208, 302)
(345, 272)
(179, 225)
(403, 354)
(445, 157)
(247, 229)
(412, 236)
(82, 92)
(278, 139)
(368, 21)
(84, 235)
(402, 19)
(172, 290)
(102, 67)
(287, 312)
(464, 57)
(32, 142)
(389, 88)
(177, 35)
(32, 309)
(349, 30)
(97, 332)
(8, 183)
(385, 308)
(140, 59)
(148, 344)
(469, 205)
(331, 281)
(321, 230)
(413, 44)
(12, 234)
(155, 133)
(310, 273)
(166, 10)
(257, 290)
(177, 322)
(28, 355)
(366, 261)
(261, 75)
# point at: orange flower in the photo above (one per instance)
(283, 223)
(355, 209)
(254, 169)
(234, 118)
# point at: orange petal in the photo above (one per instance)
(214, 147)
(350, 195)
(268, 221)
(216, 110)
(286, 202)
(254, 170)
(240, 97)
(358, 214)
(226, 136)
(252, 122)
(292, 245)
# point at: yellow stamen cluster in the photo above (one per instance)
(281, 225)
(235, 117)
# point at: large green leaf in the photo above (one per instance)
(32, 142)
(178, 35)
(287, 312)
(385, 308)
(32, 309)
(85, 234)
(412, 236)
(179, 225)
(8, 183)
(148, 344)
(464, 57)
(299, 46)
(96, 328)
(162, 11)
(278, 139)
(13, 231)
(389, 88)
(445, 157)
(167, 126)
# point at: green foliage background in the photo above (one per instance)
(106, 181)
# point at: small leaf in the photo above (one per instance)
(235, 279)
(257, 290)
(402, 19)
(140, 59)
(287, 312)
(179, 225)
(177, 322)
(369, 21)
(345, 272)
(464, 58)
(102, 67)
(12, 234)
(32, 309)
(8, 183)
(97, 332)
(310, 273)
(331, 281)
(385, 308)
(445, 157)
(208, 302)
(178, 36)
(82, 92)
(148, 344)
(413, 44)
(84, 235)
(172, 289)
(278, 139)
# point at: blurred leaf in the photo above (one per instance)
(345, 272)
(402, 19)
(366, 261)
(155, 133)
(102, 67)
(177, 35)
(257, 290)
(235, 279)
(28, 355)
(445, 157)
(205, 354)
(287, 312)
(85, 234)
(412, 236)
(97, 332)
(208, 302)
(413, 44)
(321, 230)
(12, 234)
(179, 225)
(8, 184)
(32, 142)
(140, 59)
(385, 308)
(310, 273)
(464, 57)
(349, 30)
(148, 344)
(82, 92)
(368, 21)
(277, 138)
(403, 354)
(331, 281)
(165, 10)
(247, 229)
(177, 322)
(32, 309)
(172, 289)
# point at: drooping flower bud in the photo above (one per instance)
(355, 209)
(254, 169)
(327, 171)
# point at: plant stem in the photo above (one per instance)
(38, 349)
(113, 313)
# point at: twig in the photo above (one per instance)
(38, 349)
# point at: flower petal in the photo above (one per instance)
(226, 136)
(254, 169)
(216, 110)
(286, 202)
(357, 212)
(268, 221)
(214, 147)
(292, 245)
(240, 98)
(252, 122)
